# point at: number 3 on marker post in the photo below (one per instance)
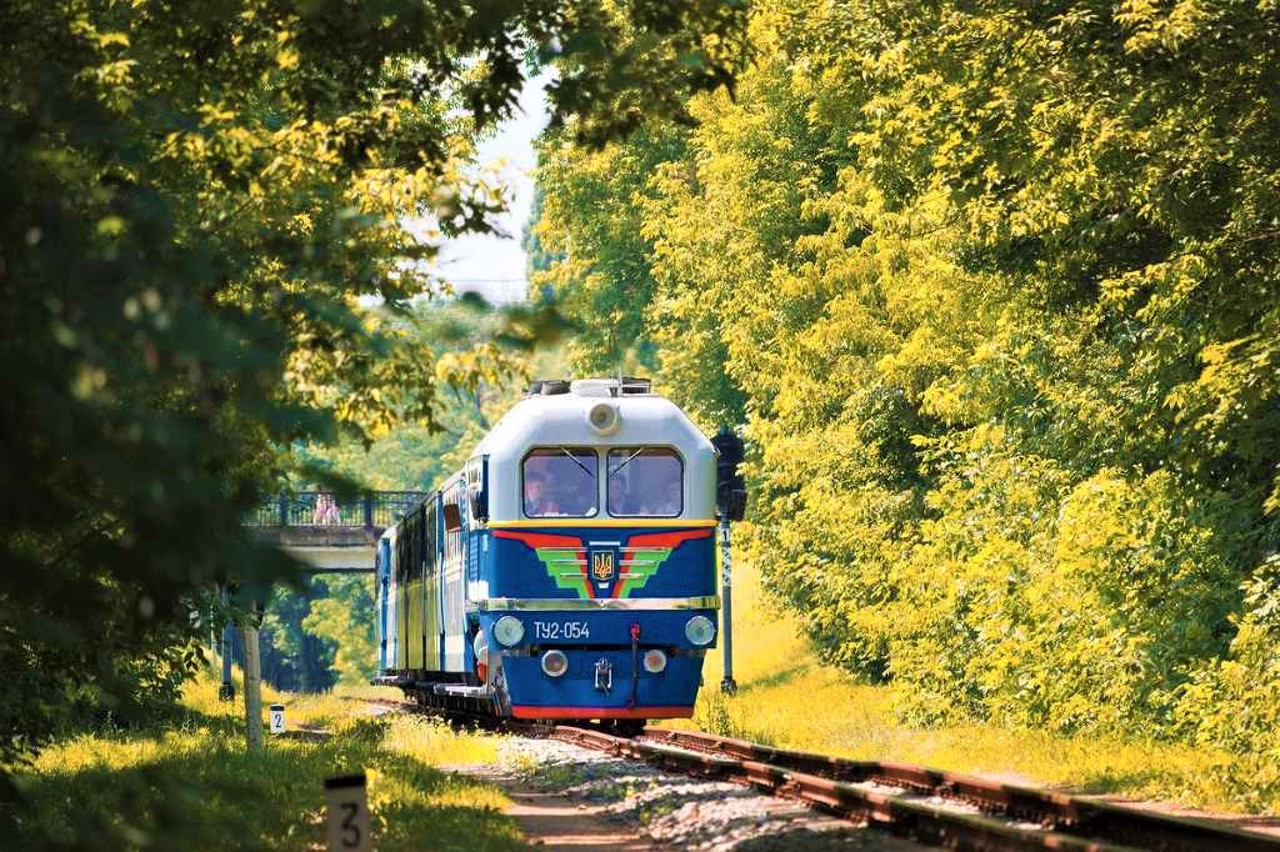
(348, 818)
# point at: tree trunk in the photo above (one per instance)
(252, 684)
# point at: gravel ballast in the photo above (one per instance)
(678, 811)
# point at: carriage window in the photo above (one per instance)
(645, 482)
(561, 482)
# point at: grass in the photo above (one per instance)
(786, 698)
(192, 785)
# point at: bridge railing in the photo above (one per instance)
(373, 509)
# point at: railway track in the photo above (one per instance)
(943, 808)
(937, 807)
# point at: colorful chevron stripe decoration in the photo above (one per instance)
(566, 560)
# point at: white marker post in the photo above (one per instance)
(277, 718)
(348, 820)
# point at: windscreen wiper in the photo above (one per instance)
(627, 462)
(578, 463)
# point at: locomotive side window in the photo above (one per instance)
(645, 482)
(561, 482)
(452, 538)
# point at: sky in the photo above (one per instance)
(491, 265)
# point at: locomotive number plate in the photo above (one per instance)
(561, 630)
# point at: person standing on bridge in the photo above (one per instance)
(326, 510)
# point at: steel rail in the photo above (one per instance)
(893, 811)
(1078, 814)
(1011, 817)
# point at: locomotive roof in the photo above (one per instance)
(561, 419)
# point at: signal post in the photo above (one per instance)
(731, 505)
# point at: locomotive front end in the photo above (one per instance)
(629, 644)
(597, 561)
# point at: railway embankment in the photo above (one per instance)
(188, 783)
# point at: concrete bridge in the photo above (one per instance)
(331, 533)
(328, 532)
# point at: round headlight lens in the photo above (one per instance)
(480, 645)
(655, 661)
(554, 663)
(508, 630)
(604, 418)
(699, 630)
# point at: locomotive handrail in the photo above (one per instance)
(591, 604)
(326, 510)
(611, 522)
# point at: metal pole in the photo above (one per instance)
(728, 686)
(228, 690)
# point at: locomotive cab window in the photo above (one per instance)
(560, 482)
(645, 482)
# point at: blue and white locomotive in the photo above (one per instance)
(568, 572)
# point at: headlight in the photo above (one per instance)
(480, 645)
(655, 661)
(699, 630)
(554, 663)
(604, 418)
(508, 630)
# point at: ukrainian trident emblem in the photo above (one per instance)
(602, 565)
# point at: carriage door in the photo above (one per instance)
(455, 626)
(382, 562)
(434, 637)
(477, 513)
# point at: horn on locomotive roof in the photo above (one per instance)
(633, 384)
(547, 387)
(626, 386)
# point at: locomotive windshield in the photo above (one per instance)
(645, 482)
(561, 482)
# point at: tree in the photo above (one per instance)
(294, 657)
(997, 287)
(199, 202)
(590, 223)
(342, 617)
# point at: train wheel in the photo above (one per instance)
(624, 727)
